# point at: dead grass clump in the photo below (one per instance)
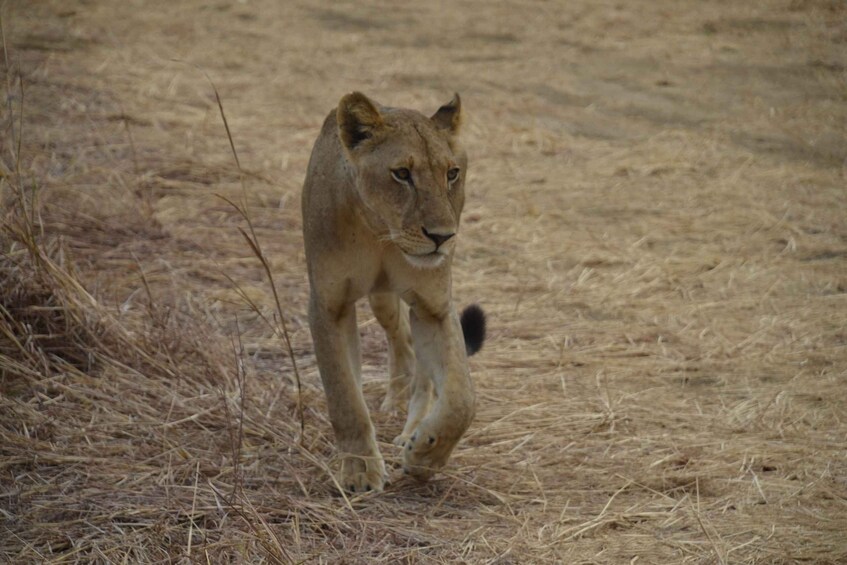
(106, 420)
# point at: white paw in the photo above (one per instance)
(362, 474)
(423, 454)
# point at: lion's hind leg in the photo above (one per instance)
(393, 315)
(419, 405)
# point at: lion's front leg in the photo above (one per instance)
(336, 341)
(440, 352)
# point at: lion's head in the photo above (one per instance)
(410, 174)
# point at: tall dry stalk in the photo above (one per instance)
(280, 328)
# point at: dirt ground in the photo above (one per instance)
(656, 223)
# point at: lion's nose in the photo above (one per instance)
(437, 238)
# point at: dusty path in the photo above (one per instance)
(655, 222)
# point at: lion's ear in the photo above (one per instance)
(449, 116)
(358, 119)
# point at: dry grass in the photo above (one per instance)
(655, 223)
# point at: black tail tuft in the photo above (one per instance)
(473, 328)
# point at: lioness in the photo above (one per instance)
(381, 204)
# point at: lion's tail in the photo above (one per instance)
(473, 328)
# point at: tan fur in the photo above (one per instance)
(365, 232)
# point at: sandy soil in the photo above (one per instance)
(655, 222)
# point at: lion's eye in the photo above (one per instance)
(402, 174)
(453, 174)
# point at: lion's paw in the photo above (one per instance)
(393, 404)
(397, 396)
(423, 454)
(362, 474)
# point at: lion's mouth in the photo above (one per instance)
(425, 260)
